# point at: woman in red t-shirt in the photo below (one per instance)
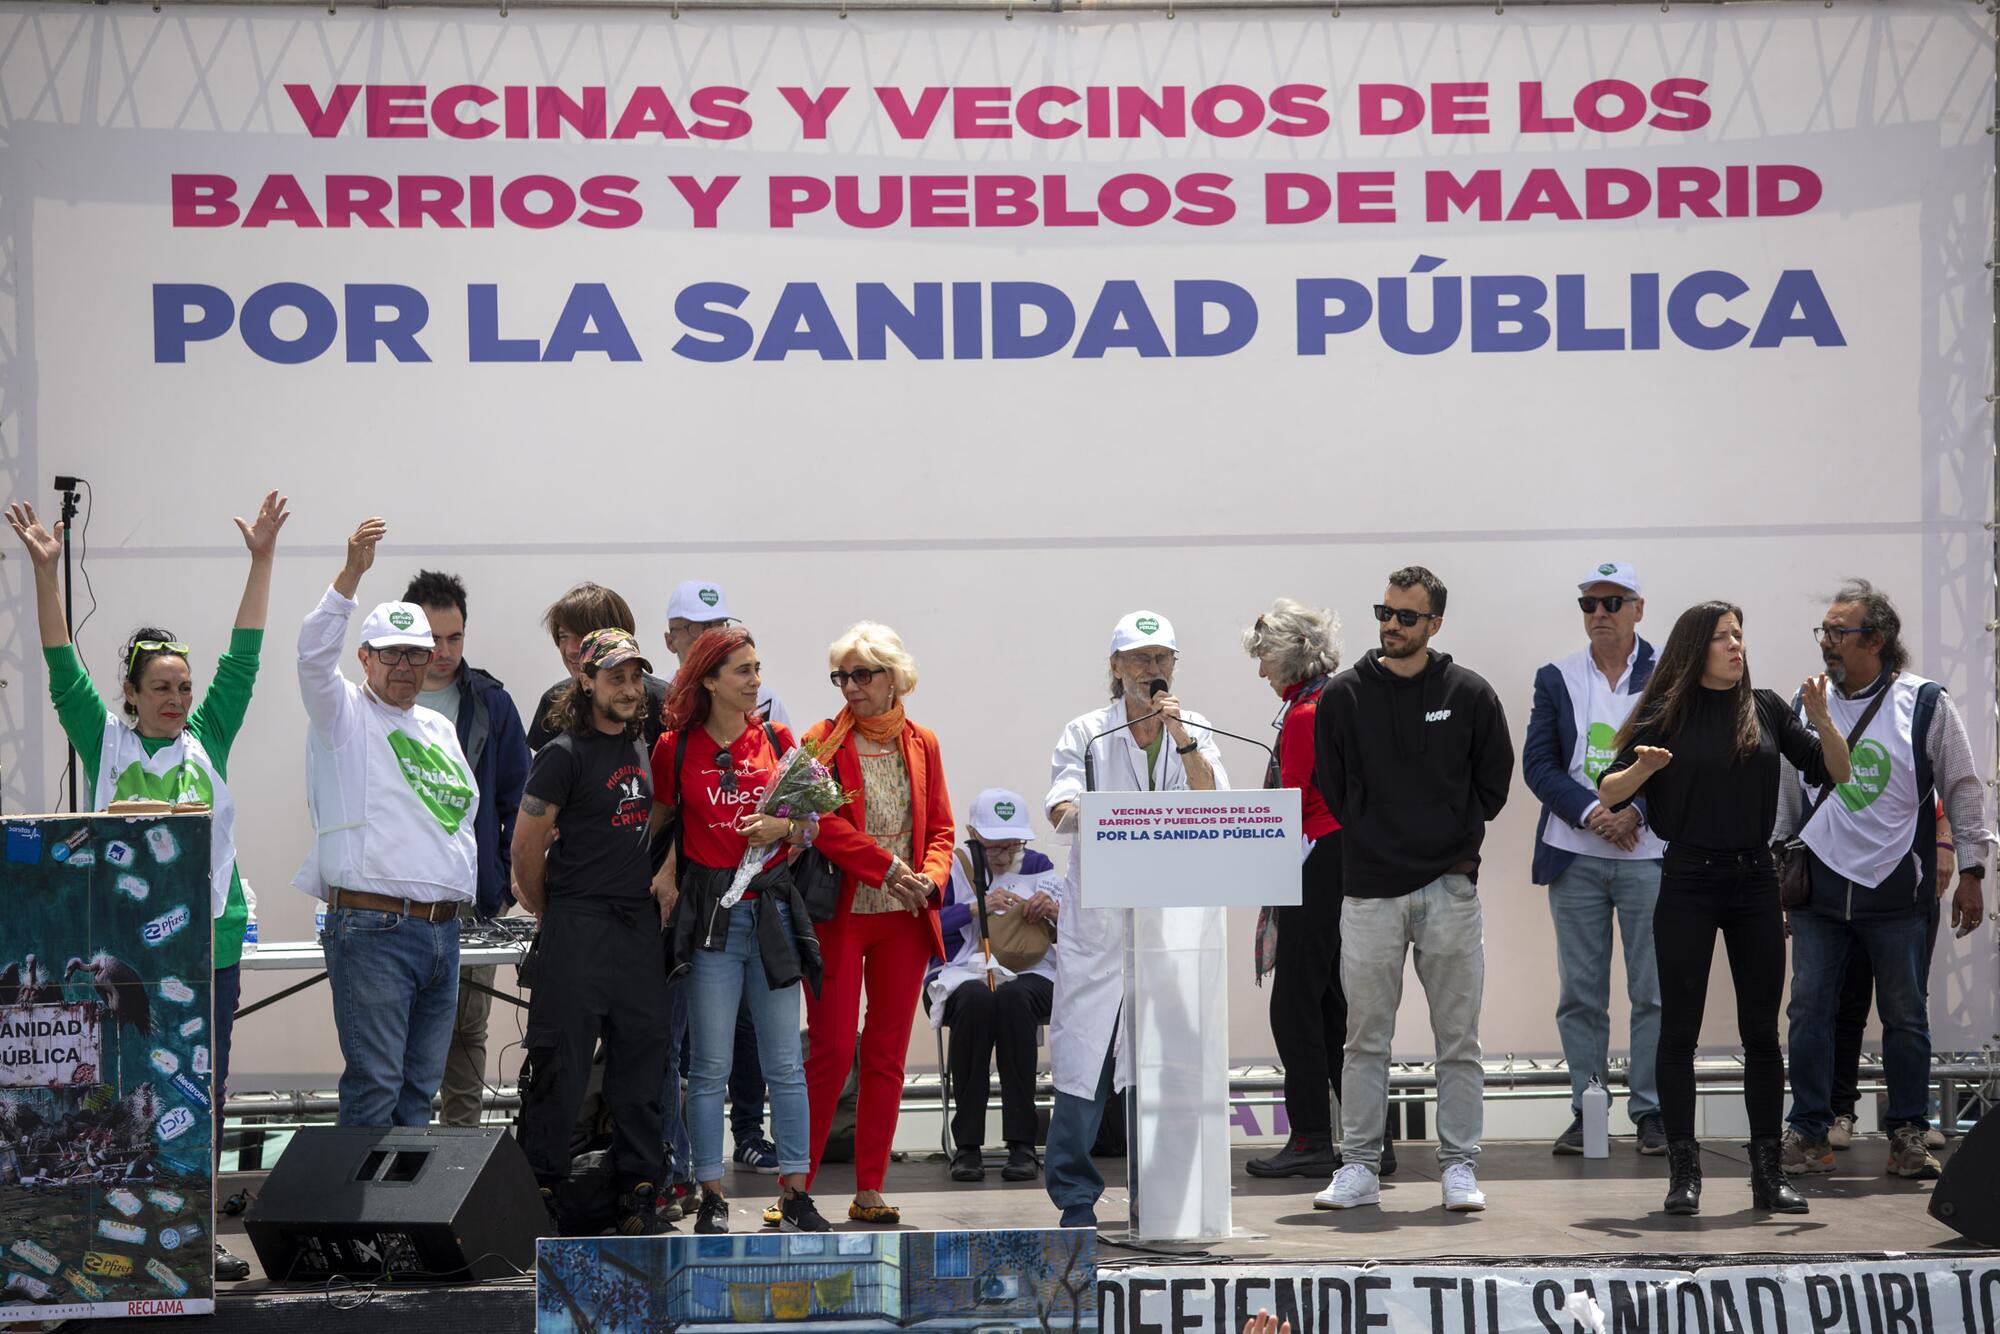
(753, 953)
(892, 843)
(1295, 653)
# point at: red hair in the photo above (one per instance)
(687, 703)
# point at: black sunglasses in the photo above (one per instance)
(861, 676)
(1611, 604)
(725, 771)
(1403, 615)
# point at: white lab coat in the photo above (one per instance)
(1090, 943)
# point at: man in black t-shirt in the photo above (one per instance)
(598, 964)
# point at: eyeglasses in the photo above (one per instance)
(1836, 634)
(1611, 604)
(725, 771)
(1402, 615)
(861, 676)
(152, 646)
(395, 657)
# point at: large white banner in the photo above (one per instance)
(997, 329)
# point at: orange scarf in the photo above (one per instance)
(883, 728)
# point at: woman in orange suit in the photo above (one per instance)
(892, 844)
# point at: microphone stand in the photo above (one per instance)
(67, 485)
(1089, 760)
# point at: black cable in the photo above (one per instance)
(76, 631)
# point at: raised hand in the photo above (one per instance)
(1813, 695)
(261, 534)
(361, 546)
(1266, 1323)
(44, 545)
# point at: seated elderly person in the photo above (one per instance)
(999, 924)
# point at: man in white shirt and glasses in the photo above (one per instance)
(394, 853)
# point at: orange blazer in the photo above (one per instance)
(932, 831)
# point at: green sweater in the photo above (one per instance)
(215, 723)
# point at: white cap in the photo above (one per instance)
(1140, 629)
(1613, 572)
(397, 623)
(698, 600)
(1001, 815)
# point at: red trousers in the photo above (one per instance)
(885, 954)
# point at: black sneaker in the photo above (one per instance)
(1302, 1156)
(713, 1216)
(1569, 1144)
(1022, 1165)
(800, 1215)
(1388, 1164)
(968, 1165)
(1652, 1135)
(639, 1213)
(759, 1155)
(229, 1268)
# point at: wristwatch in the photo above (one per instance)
(1189, 749)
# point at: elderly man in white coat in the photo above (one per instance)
(1143, 741)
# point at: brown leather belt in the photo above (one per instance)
(442, 911)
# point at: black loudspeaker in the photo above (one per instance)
(1967, 1197)
(419, 1202)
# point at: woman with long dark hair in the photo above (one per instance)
(1704, 746)
(710, 769)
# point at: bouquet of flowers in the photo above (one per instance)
(804, 789)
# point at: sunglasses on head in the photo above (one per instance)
(1610, 604)
(861, 676)
(153, 646)
(1401, 615)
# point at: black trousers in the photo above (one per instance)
(1736, 895)
(989, 1028)
(600, 976)
(1850, 1021)
(1308, 1006)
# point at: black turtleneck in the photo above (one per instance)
(1709, 799)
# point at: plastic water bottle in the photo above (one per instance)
(1596, 1120)
(250, 923)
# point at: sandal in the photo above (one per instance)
(877, 1215)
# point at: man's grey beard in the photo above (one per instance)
(1008, 864)
(1836, 671)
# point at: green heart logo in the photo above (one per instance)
(710, 596)
(1871, 776)
(183, 782)
(1147, 625)
(437, 779)
(1607, 568)
(1004, 809)
(1598, 751)
(402, 620)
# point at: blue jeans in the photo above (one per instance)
(717, 982)
(673, 1124)
(1074, 1183)
(395, 998)
(1894, 949)
(228, 991)
(1583, 900)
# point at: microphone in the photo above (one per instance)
(1156, 686)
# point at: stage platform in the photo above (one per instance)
(1542, 1210)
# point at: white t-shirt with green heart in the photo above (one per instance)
(393, 799)
(180, 772)
(1866, 826)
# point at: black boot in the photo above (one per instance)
(1302, 1156)
(1683, 1176)
(1768, 1187)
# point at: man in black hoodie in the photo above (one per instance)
(1413, 760)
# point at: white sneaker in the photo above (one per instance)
(1461, 1189)
(1841, 1133)
(1352, 1186)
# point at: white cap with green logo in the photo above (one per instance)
(1001, 815)
(397, 623)
(1142, 629)
(698, 600)
(1613, 572)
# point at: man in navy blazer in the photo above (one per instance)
(1597, 865)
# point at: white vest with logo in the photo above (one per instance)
(1599, 711)
(1868, 823)
(415, 816)
(180, 772)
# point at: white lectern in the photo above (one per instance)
(1174, 861)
